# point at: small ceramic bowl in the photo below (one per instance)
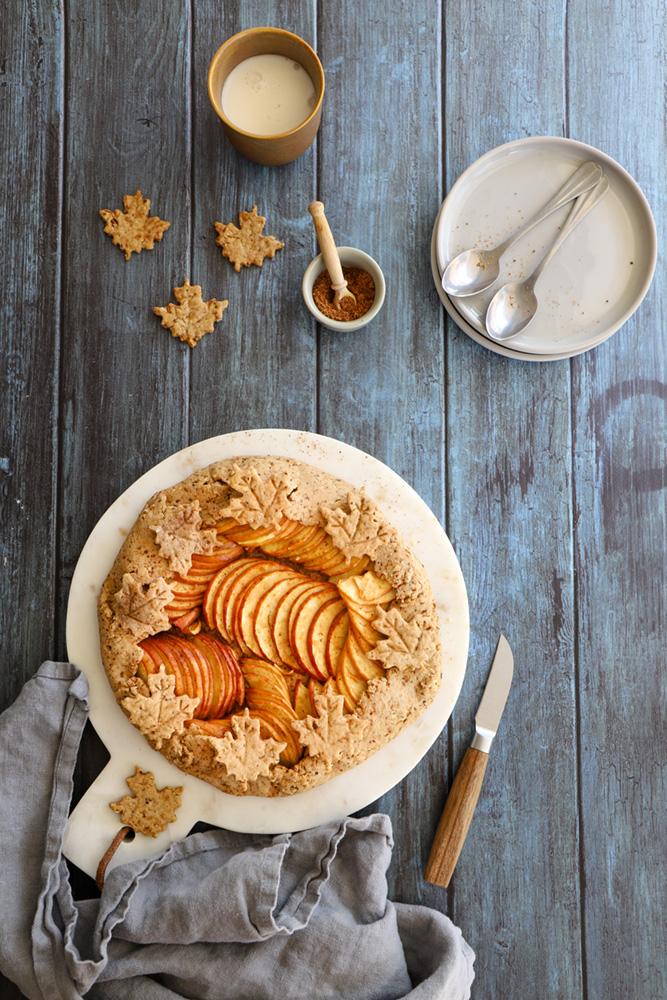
(349, 257)
(270, 150)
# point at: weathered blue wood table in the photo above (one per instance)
(550, 478)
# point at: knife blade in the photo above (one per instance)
(464, 793)
(495, 695)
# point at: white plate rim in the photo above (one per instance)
(587, 150)
(345, 793)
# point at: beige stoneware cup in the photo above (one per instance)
(270, 150)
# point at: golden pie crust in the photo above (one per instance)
(265, 627)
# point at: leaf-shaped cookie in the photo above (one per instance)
(133, 229)
(190, 318)
(264, 500)
(140, 605)
(354, 527)
(178, 533)
(331, 734)
(149, 809)
(161, 713)
(245, 245)
(401, 647)
(245, 755)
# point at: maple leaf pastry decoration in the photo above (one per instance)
(141, 603)
(161, 713)
(178, 533)
(262, 501)
(356, 529)
(245, 245)
(244, 753)
(330, 734)
(133, 229)
(401, 647)
(149, 809)
(190, 318)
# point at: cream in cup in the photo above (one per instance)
(268, 94)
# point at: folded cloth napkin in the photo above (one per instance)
(218, 915)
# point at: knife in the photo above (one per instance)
(462, 799)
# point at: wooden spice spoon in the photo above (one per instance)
(329, 252)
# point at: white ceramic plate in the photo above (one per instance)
(599, 276)
(92, 824)
(474, 334)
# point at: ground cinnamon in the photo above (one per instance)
(361, 285)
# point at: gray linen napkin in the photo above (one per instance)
(218, 915)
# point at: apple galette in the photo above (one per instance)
(265, 628)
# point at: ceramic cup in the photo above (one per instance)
(349, 257)
(270, 150)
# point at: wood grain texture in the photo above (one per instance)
(516, 895)
(620, 416)
(124, 378)
(259, 370)
(551, 478)
(31, 101)
(456, 818)
(381, 388)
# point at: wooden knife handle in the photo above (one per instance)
(456, 818)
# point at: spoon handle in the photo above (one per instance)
(327, 246)
(579, 210)
(582, 180)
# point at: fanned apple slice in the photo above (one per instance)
(222, 686)
(280, 622)
(365, 592)
(321, 625)
(304, 614)
(260, 675)
(267, 608)
(303, 705)
(313, 689)
(279, 544)
(364, 632)
(246, 610)
(250, 538)
(349, 685)
(229, 599)
(291, 545)
(214, 588)
(336, 643)
(187, 681)
(211, 727)
(300, 618)
(360, 664)
(270, 728)
(357, 565)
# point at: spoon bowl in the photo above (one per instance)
(471, 272)
(511, 310)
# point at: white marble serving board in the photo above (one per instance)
(92, 824)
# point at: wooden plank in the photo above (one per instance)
(381, 389)
(516, 889)
(123, 377)
(31, 98)
(258, 370)
(619, 400)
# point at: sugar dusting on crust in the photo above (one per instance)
(304, 493)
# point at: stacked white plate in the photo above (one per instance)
(597, 279)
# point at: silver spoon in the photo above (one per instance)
(514, 305)
(472, 271)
